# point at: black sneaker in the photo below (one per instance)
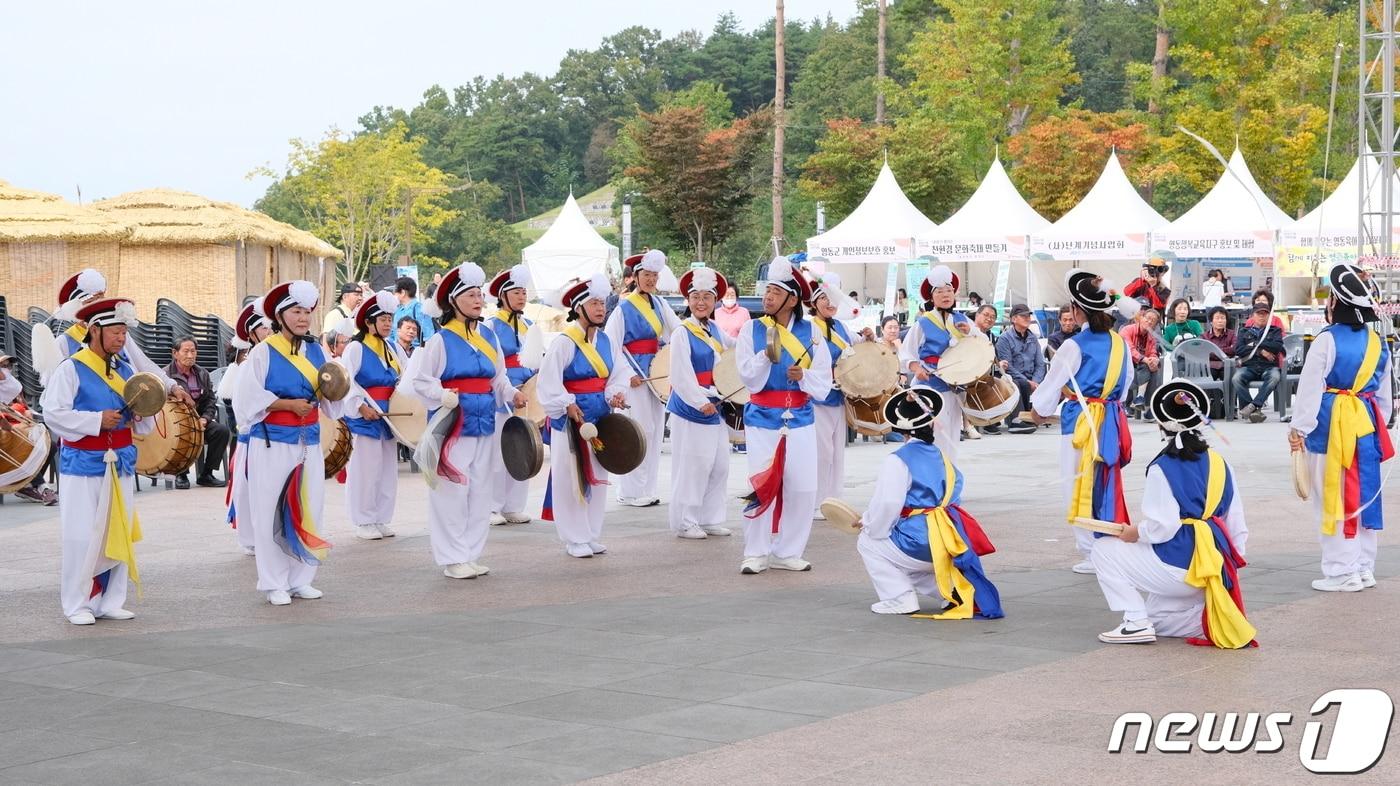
(209, 481)
(182, 481)
(30, 494)
(991, 429)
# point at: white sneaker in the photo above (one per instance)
(118, 614)
(908, 603)
(692, 532)
(279, 598)
(1140, 632)
(82, 618)
(1368, 579)
(1351, 582)
(307, 592)
(248, 550)
(639, 502)
(517, 518)
(460, 570)
(481, 570)
(789, 563)
(971, 433)
(597, 548)
(579, 550)
(716, 530)
(368, 532)
(497, 519)
(385, 530)
(1086, 567)
(753, 565)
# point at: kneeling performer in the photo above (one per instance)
(699, 437)
(1186, 553)
(915, 538)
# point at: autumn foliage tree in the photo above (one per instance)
(1057, 160)
(696, 178)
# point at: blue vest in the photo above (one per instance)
(771, 418)
(509, 342)
(373, 373)
(284, 381)
(835, 398)
(635, 327)
(1187, 480)
(1350, 342)
(936, 342)
(702, 358)
(927, 482)
(593, 405)
(1094, 350)
(467, 362)
(95, 395)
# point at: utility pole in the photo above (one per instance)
(779, 100)
(880, 65)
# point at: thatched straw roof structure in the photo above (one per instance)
(36, 217)
(162, 216)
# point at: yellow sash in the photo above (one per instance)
(835, 338)
(505, 318)
(123, 530)
(76, 332)
(472, 337)
(1089, 425)
(282, 346)
(376, 345)
(1351, 420)
(945, 544)
(1229, 629)
(90, 359)
(590, 352)
(937, 319)
(704, 335)
(642, 302)
(801, 357)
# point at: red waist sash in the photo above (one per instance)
(380, 392)
(590, 385)
(705, 378)
(284, 417)
(120, 438)
(779, 399)
(468, 385)
(513, 361)
(643, 346)
(932, 360)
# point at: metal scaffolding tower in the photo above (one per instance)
(1376, 148)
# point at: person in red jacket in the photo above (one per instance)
(1148, 288)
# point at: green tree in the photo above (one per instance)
(355, 192)
(1057, 160)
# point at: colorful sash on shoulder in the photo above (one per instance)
(282, 346)
(1098, 487)
(831, 335)
(1216, 571)
(704, 335)
(957, 569)
(590, 352)
(98, 366)
(642, 302)
(381, 350)
(472, 337)
(1354, 417)
(77, 332)
(799, 354)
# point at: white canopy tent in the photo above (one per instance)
(1235, 220)
(878, 233)
(1326, 235)
(994, 226)
(1110, 229)
(571, 248)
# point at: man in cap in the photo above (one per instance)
(350, 299)
(1018, 350)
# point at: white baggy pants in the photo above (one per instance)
(507, 494)
(1341, 556)
(459, 515)
(243, 517)
(372, 480)
(650, 414)
(799, 493)
(577, 521)
(1127, 571)
(830, 428)
(268, 468)
(894, 573)
(699, 473)
(82, 515)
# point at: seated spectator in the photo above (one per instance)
(1067, 328)
(195, 380)
(1218, 332)
(1018, 352)
(1147, 364)
(1259, 352)
(985, 318)
(1180, 326)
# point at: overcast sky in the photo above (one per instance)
(116, 96)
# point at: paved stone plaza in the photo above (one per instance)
(659, 662)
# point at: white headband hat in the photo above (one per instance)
(653, 260)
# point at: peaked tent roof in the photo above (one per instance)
(992, 225)
(1235, 219)
(880, 229)
(1335, 221)
(1111, 222)
(571, 248)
